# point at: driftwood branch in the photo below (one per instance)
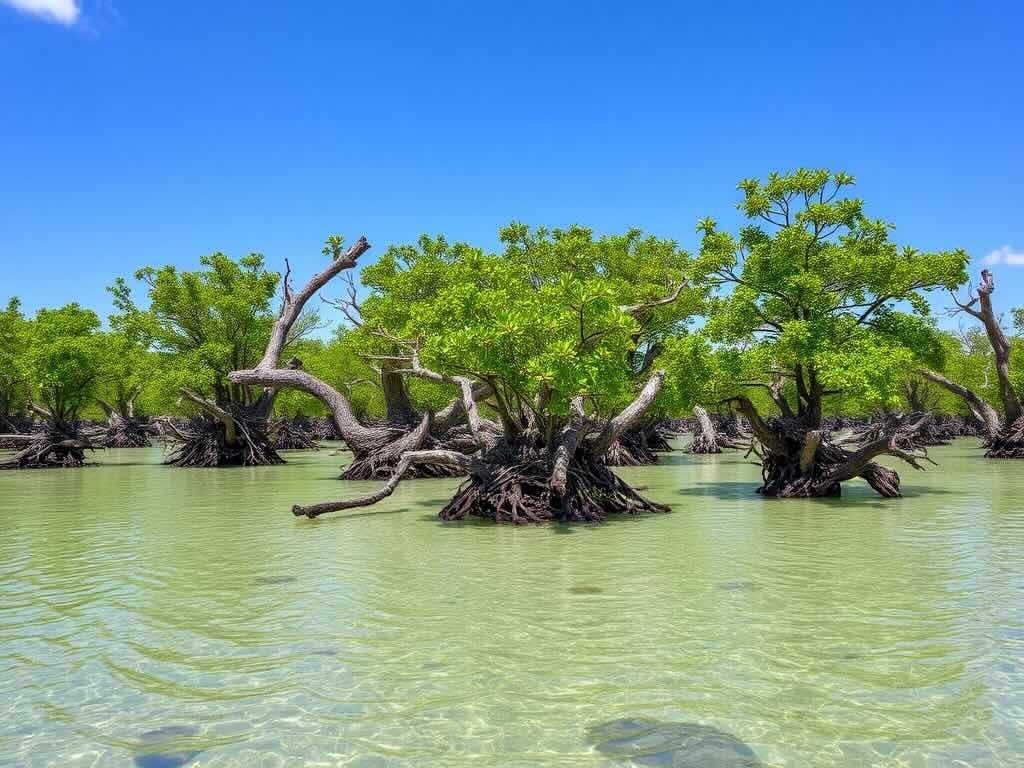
(409, 459)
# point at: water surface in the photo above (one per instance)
(152, 616)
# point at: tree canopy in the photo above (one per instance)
(15, 387)
(208, 322)
(66, 359)
(819, 287)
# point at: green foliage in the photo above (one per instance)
(14, 377)
(542, 322)
(206, 323)
(818, 285)
(565, 338)
(128, 365)
(65, 359)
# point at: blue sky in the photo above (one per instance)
(136, 133)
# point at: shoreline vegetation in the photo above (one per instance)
(808, 340)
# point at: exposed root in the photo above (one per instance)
(204, 441)
(656, 435)
(290, 435)
(1009, 443)
(61, 445)
(16, 429)
(122, 432)
(797, 462)
(323, 428)
(512, 485)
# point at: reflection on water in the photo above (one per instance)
(155, 616)
(163, 738)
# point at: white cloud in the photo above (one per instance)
(59, 11)
(1005, 255)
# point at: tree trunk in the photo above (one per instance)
(706, 438)
(399, 408)
(1000, 346)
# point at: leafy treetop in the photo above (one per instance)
(818, 285)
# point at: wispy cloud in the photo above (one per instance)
(1005, 255)
(65, 12)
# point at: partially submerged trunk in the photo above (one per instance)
(706, 438)
(802, 460)
(60, 443)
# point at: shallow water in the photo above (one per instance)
(163, 617)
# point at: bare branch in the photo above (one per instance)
(637, 309)
(293, 304)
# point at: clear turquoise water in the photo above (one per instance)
(156, 617)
